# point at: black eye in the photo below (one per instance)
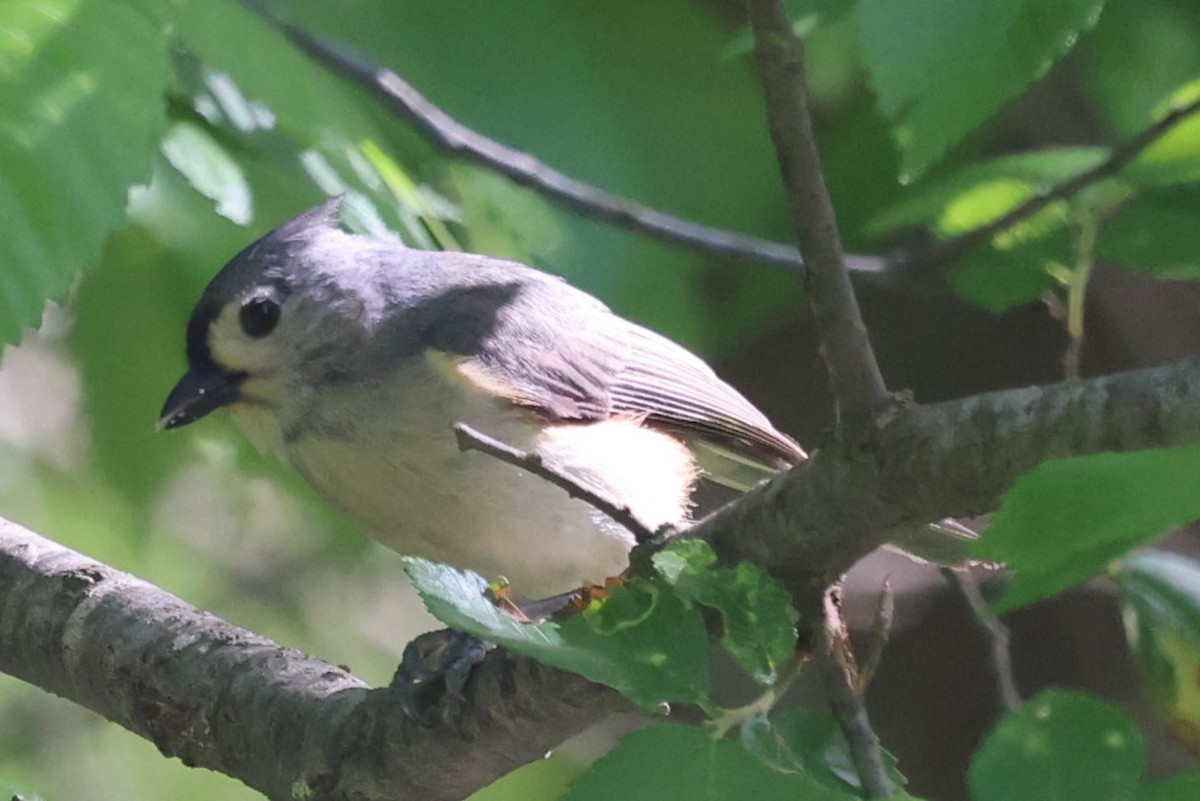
(259, 317)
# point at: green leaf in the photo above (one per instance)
(641, 640)
(1000, 278)
(996, 186)
(8, 791)
(259, 92)
(81, 114)
(1160, 598)
(808, 741)
(942, 67)
(1173, 158)
(211, 170)
(1136, 55)
(1185, 787)
(1059, 746)
(759, 627)
(1064, 521)
(1156, 234)
(669, 763)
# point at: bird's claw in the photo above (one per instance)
(446, 657)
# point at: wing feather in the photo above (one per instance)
(564, 354)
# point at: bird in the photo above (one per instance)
(352, 357)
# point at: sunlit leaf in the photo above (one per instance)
(1003, 182)
(641, 640)
(1067, 519)
(759, 628)
(1174, 158)
(212, 171)
(81, 114)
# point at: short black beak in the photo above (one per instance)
(198, 393)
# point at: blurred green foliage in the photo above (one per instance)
(143, 142)
(1160, 597)
(676, 763)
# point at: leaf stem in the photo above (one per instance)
(729, 718)
(835, 659)
(1086, 233)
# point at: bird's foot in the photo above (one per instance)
(443, 657)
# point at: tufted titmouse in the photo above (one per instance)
(351, 357)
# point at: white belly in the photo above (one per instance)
(402, 477)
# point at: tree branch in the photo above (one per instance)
(835, 662)
(954, 249)
(448, 134)
(952, 459)
(854, 375)
(222, 698)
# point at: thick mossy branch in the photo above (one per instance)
(220, 697)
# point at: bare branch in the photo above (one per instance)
(470, 439)
(854, 375)
(997, 634)
(954, 249)
(877, 637)
(448, 134)
(220, 697)
(840, 676)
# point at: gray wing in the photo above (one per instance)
(563, 354)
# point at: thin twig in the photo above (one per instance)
(880, 633)
(448, 134)
(854, 375)
(840, 680)
(953, 249)
(470, 439)
(998, 637)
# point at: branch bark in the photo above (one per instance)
(222, 698)
(953, 459)
(854, 375)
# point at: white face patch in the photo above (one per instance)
(233, 350)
